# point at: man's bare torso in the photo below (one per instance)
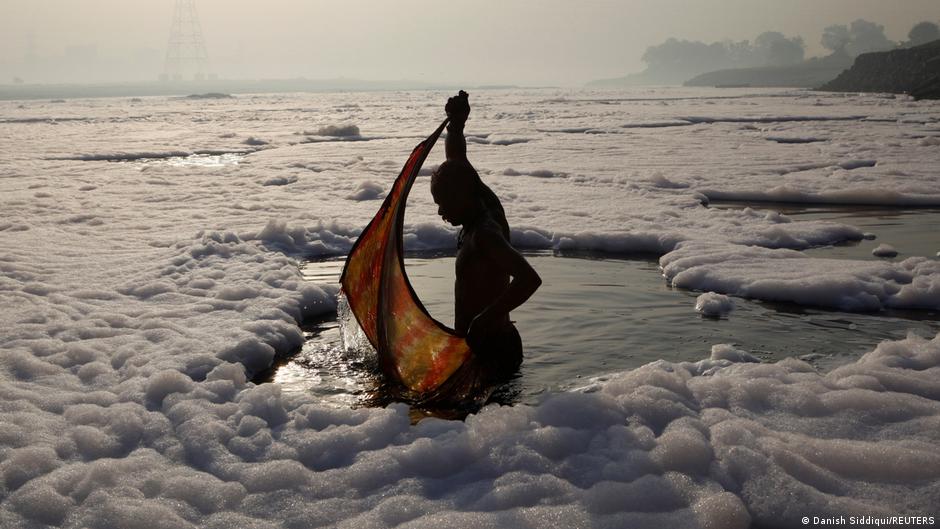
(479, 280)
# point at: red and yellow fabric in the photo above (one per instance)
(413, 348)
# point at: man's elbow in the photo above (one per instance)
(535, 281)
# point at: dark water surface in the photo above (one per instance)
(594, 316)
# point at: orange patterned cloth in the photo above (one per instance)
(413, 348)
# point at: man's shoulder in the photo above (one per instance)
(486, 228)
(486, 235)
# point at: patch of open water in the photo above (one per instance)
(596, 314)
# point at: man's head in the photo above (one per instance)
(454, 186)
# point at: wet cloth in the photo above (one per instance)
(413, 348)
(494, 361)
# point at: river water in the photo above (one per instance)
(597, 314)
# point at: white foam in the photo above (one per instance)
(279, 181)
(884, 250)
(712, 304)
(538, 173)
(367, 191)
(336, 130)
(787, 275)
(136, 300)
(503, 140)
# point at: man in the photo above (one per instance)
(492, 278)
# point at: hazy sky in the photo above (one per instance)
(473, 42)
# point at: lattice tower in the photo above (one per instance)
(186, 55)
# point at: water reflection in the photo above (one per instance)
(206, 160)
(192, 160)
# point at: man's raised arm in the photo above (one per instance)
(458, 109)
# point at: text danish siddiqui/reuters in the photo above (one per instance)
(872, 521)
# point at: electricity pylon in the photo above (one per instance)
(186, 55)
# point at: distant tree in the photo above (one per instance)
(836, 38)
(740, 54)
(786, 52)
(773, 48)
(677, 60)
(686, 57)
(767, 38)
(859, 37)
(922, 33)
(867, 37)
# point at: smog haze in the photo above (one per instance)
(484, 42)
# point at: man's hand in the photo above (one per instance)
(458, 108)
(482, 326)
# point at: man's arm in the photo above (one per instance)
(455, 144)
(525, 281)
(457, 109)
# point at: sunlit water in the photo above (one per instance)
(596, 315)
(206, 160)
(191, 160)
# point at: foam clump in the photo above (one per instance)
(317, 240)
(884, 250)
(279, 181)
(255, 142)
(342, 131)
(538, 173)
(367, 191)
(165, 383)
(662, 181)
(728, 352)
(503, 139)
(787, 275)
(713, 304)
